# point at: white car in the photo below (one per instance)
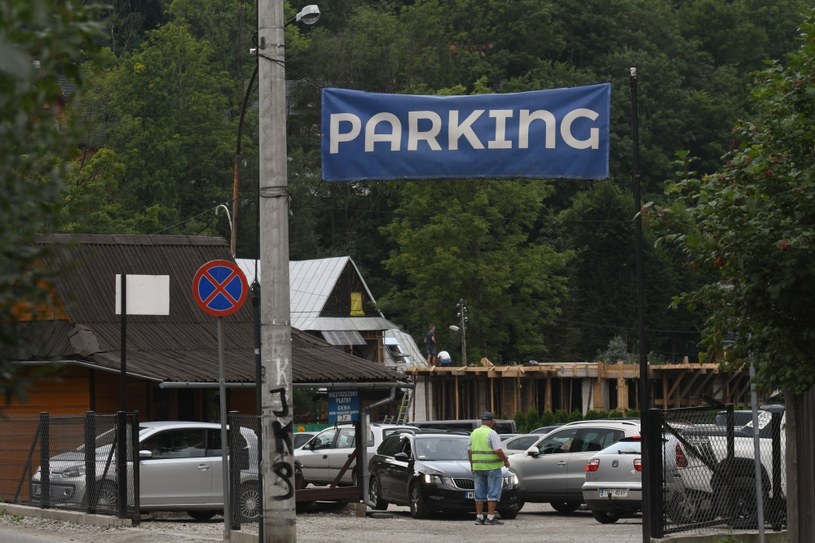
(180, 469)
(321, 459)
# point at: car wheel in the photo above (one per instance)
(688, 507)
(107, 497)
(737, 502)
(249, 502)
(374, 494)
(417, 507)
(605, 517)
(201, 516)
(299, 480)
(509, 513)
(565, 507)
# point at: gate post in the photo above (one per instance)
(45, 463)
(90, 462)
(653, 433)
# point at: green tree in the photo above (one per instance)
(162, 118)
(752, 224)
(473, 239)
(42, 43)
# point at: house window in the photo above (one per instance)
(356, 305)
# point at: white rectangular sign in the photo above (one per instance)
(146, 294)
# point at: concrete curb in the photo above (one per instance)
(741, 537)
(105, 521)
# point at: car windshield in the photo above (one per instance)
(441, 448)
(106, 439)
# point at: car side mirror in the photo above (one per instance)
(402, 456)
(145, 454)
(533, 452)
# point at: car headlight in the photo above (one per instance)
(510, 481)
(74, 471)
(429, 479)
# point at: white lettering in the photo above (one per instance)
(540, 115)
(415, 135)
(427, 126)
(337, 137)
(456, 130)
(566, 129)
(500, 141)
(394, 136)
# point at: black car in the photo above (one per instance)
(431, 474)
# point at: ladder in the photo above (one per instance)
(404, 408)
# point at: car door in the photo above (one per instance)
(545, 472)
(400, 470)
(381, 465)
(177, 471)
(313, 457)
(344, 446)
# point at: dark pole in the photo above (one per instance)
(643, 389)
(233, 245)
(123, 342)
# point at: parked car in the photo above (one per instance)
(180, 469)
(519, 443)
(552, 470)
(321, 459)
(613, 480)
(430, 472)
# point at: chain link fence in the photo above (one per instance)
(717, 471)
(71, 462)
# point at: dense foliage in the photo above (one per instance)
(546, 267)
(752, 226)
(42, 44)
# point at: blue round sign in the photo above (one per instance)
(219, 287)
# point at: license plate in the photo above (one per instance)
(614, 492)
(469, 495)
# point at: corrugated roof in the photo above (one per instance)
(312, 282)
(179, 347)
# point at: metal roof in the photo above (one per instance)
(313, 284)
(179, 347)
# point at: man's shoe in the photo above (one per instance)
(492, 522)
(479, 520)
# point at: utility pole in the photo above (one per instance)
(462, 317)
(277, 467)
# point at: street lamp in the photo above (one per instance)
(308, 16)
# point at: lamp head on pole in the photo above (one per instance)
(308, 15)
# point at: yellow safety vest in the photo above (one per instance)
(484, 458)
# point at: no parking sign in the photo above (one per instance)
(219, 287)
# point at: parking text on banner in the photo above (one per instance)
(535, 134)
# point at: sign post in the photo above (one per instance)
(219, 288)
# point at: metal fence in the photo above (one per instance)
(716, 470)
(71, 462)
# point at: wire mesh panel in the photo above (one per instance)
(68, 462)
(721, 469)
(245, 488)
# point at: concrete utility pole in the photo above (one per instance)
(275, 314)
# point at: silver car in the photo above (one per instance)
(321, 459)
(552, 470)
(180, 469)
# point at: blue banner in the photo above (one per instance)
(536, 134)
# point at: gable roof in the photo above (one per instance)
(179, 347)
(319, 287)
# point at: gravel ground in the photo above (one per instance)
(331, 523)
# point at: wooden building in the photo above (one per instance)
(464, 392)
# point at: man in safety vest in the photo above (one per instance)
(486, 460)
